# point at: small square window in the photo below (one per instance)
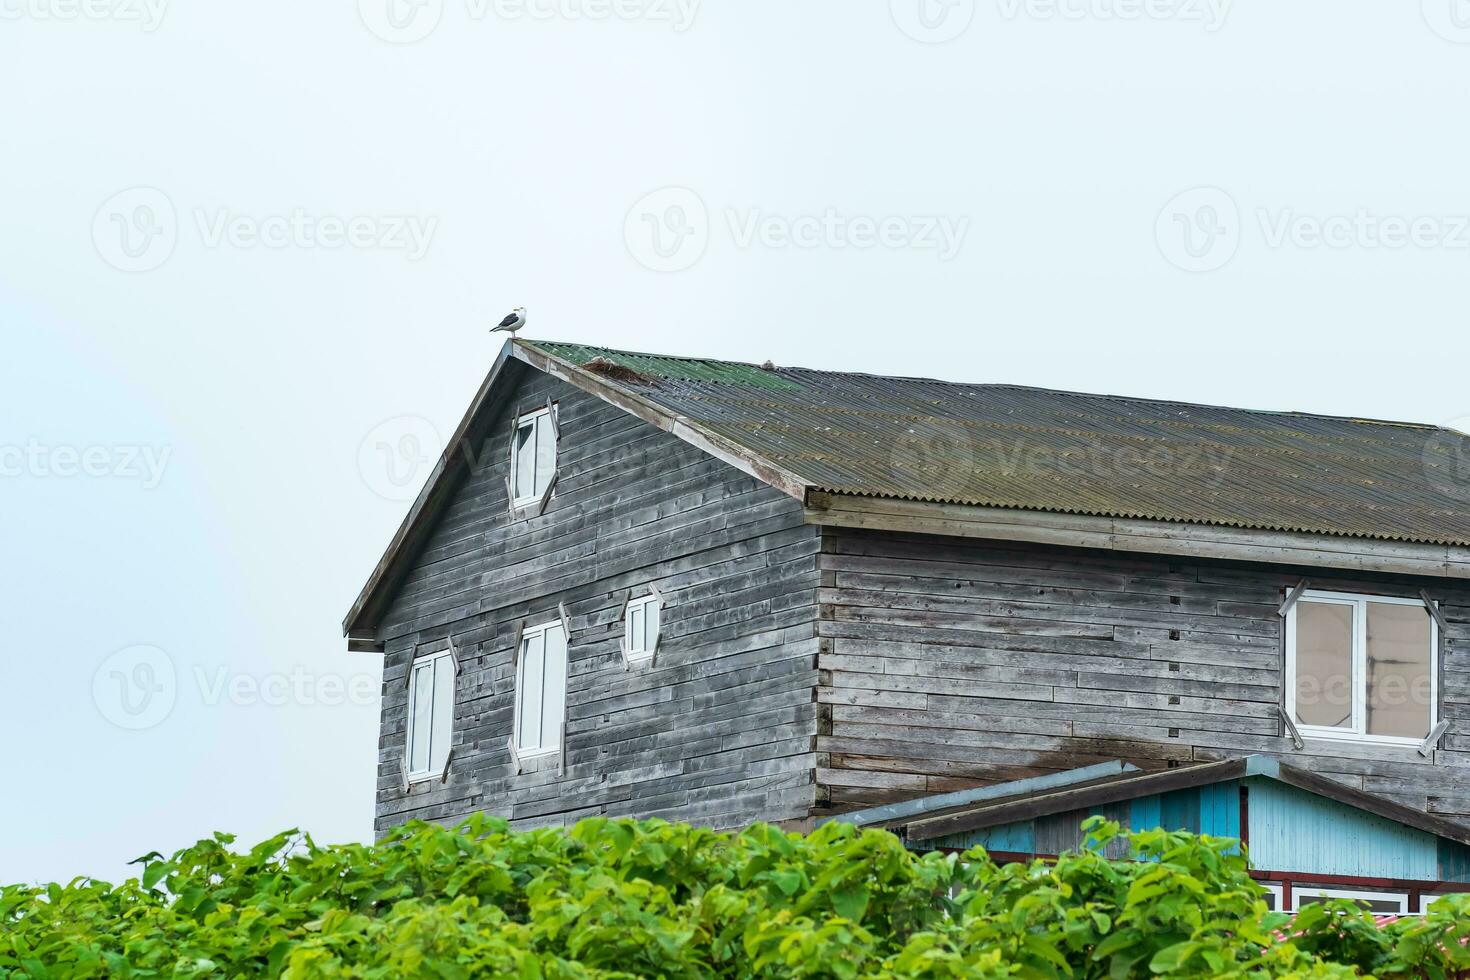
(532, 457)
(430, 714)
(641, 627)
(1362, 667)
(541, 690)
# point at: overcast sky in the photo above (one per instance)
(249, 253)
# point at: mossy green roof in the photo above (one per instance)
(1065, 452)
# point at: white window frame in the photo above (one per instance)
(1358, 731)
(428, 660)
(533, 419)
(1298, 892)
(639, 654)
(529, 633)
(1277, 889)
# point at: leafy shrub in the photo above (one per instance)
(621, 899)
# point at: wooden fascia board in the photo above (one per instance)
(1152, 537)
(361, 619)
(690, 431)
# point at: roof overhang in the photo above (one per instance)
(1152, 537)
(936, 817)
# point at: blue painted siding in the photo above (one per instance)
(1292, 830)
(1147, 813)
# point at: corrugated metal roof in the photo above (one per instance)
(1065, 452)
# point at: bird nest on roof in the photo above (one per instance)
(612, 369)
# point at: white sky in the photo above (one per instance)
(191, 450)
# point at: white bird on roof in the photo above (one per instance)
(513, 321)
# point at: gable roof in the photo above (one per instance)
(1011, 450)
(934, 817)
(1059, 451)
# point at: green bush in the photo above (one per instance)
(621, 899)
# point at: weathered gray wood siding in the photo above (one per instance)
(948, 664)
(719, 732)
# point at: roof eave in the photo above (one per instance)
(1134, 535)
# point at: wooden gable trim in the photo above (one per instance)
(692, 432)
(1150, 537)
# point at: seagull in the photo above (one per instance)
(514, 321)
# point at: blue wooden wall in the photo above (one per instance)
(1290, 830)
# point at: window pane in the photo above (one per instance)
(1385, 905)
(533, 668)
(651, 626)
(1399, 660)
(554, 709)
(1324, 664)
(443, 713)
(635, 628)
(421, 710)
(524, 460)
(545, 452)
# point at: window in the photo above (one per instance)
(1272, 895)
(532, 457)
(541, 690)
(1362, 667)
(640, 639)
(430, 714)
(1379, 903)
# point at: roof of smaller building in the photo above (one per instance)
(1006, 446)
(933, 817)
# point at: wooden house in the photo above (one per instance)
(720, 593)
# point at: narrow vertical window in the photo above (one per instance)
(641, 626)
(541, 690)
(430, 714)
(533, 457)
